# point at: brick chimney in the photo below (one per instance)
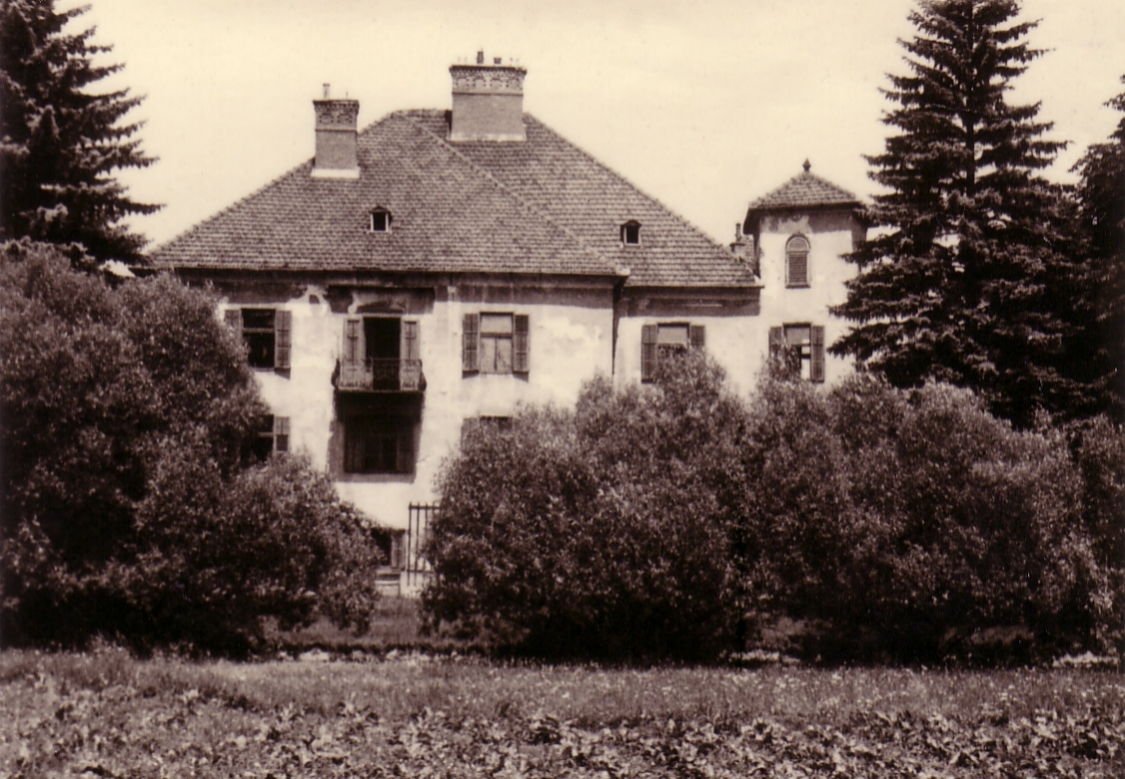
(335, 138)
(487, 101)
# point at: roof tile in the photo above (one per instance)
(802, 191)
(540, 206)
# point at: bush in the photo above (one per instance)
(131, 506)
(913, 525)
(600, 533)
(1098, 450)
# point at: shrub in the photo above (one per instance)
(1098, 450)
(598, 533)
(129, 506)
(910, 525)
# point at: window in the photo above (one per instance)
(378, 444)
(380, 353)
(801, 346)
(273, 436)
(631, 233)
(797, 262)
(662, 342)
(380, 221)
(495, 343)
(266, 333)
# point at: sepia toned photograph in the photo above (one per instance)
(532, 389)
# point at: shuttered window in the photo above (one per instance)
(662, 341)
(496, 343)
(797, 262)
(267, 333)
(801, 346)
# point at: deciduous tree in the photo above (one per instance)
(132, 506)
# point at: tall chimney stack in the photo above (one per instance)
(487, 101)
(336, 156)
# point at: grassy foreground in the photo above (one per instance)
(106, 714)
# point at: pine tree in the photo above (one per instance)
(1101, 195)
(960, 282)
(60, 143)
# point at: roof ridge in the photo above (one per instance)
(655, 200)
(507, 190)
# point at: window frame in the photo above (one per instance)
(383, 427)
(651, 350)
(473, 336)
(379, 211)
(274, 429)
(280, 332)
(809, 351)
(793, 250)
(631, 229)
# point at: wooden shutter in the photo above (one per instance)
(233, 318)
(816, 342)
(648, 352)
(281, 434)
(282, 329)
(470, 342)
(697, 336)
(777, 342)
(353, 341)
(521, 343)
(409, 347)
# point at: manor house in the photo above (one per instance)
(440, 267)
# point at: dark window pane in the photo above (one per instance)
(382, 337)
(257, 318)
(261, 348)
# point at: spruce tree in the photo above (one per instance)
(1101, 196)
(959, 282)
(60, 143)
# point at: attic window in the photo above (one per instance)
(380, 221)
(631, 233)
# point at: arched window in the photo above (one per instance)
(631, 233)
(797, 261)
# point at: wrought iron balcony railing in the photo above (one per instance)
(373, 375)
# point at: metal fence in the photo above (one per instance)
(417, 567)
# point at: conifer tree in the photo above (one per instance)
(1101, 196)
(60, 142)
(959, 282)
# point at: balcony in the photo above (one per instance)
(380, 375)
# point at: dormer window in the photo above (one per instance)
(631, 233)
(797, 261)
(380, 221)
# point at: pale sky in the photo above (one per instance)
(705, 105)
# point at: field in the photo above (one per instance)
(414, 715)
